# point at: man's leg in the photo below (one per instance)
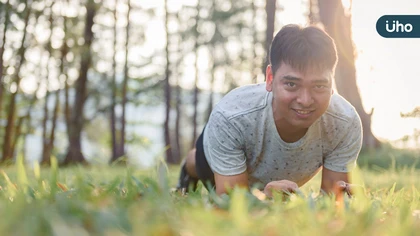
(194, 168)
(188, 174)
(190, 163)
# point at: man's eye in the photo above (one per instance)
(290, 84)
(320, 86)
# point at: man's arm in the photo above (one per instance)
(330, 180)
(342, 159)
(226, 182)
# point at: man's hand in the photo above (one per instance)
(280, 186)
(342, 187)
(333, 182)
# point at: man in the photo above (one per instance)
(279, 134)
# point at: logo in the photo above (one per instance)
(399, 26)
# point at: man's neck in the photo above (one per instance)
(287, 134)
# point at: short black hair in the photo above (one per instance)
(303, 48)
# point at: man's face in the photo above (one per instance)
(298, 99)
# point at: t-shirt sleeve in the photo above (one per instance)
(223, 146)
(343, 158)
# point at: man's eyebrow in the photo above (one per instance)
(321, 81)
(291, 77)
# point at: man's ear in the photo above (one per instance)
(269, 78)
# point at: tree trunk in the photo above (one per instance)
(45, 137)
(169, 155)
(46, 157)
(114, 91)
(17, 133)
(3, 47)
(9, 134)
(74, 154)
(64, 51)
(338, 26)
(195, 103)
(121, 149)
(254, 43)
(177, 152)
(270, 9)
(312, 16)
(210, 104)
(27, 117)
(50, 145)
(213, 69)
(196, 90)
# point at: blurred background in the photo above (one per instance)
(93, 81)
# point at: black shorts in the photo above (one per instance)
(204, 172)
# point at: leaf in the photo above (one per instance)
(62, 186)
(238, 208)
(21, 173)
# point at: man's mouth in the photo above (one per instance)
(302, 112)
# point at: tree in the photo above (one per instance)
(113, 120)
(45, 136)
(415, 113)
(118, 136)
(121, 149)
(412, 114)
(177, 151)
(74, 154)
(338, 25)
(196, 76)
(167, 92)
(11, 113)
(27, 117)
(176, 147)
(2, 49)
(312, 16)
(254, 43)
(270, 9)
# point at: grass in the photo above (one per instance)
(124, 201)
(388, 157)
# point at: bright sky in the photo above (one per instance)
(388, 71)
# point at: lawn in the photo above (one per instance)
(120, 200)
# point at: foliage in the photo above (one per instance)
(124, 201)
(388, 157)
(414, 113)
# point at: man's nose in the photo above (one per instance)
(305, 98)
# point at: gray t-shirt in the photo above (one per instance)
(241, 136)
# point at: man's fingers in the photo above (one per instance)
(342, 186)
(293, 188)
(281, 186)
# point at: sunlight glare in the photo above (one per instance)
(28, 84)
(386, 78)
(346, 4)
(11, 70)
(13, 87)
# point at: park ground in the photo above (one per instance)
(121, 200)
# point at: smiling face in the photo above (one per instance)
(299, 99)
